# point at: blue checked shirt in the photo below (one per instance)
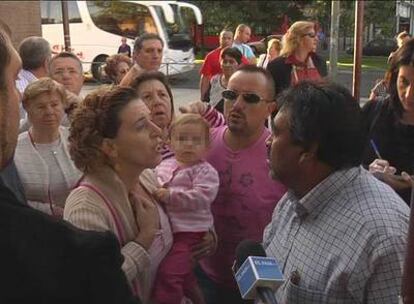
(343, 242)
(25, 78)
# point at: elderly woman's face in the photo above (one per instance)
(121, 69)
(138, 139)
(405, 87)
(155, 96)
(46, 110)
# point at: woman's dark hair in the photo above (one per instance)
(325, 114)
(95, 119)
(147, 76)
(233, 53)
(403, 56)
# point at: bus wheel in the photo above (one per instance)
(97, 68)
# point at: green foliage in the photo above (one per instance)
(267, 16)
(382, 15)
(368, 63)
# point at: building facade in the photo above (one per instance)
(22, 17)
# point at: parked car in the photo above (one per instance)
(377, 47)
(260, 47)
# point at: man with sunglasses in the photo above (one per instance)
(247, 195)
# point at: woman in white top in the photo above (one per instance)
(273, 50)
(230, 59)
(42, 159)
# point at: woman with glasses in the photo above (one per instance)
(42, 157)
(298, 60)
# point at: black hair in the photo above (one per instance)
(146, 76)
(403, 56)
(251, 68)
(146, 36)
(327, 115)
(232, 52)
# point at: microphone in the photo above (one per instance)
(255, 274)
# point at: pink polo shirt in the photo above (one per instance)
(244, 203)
(192, 190)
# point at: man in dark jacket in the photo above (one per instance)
(44, 260)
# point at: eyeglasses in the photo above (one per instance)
(311, 35)
(248, 97)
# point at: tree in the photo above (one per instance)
(267, 16)
(381, 14)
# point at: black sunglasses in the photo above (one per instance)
(312, 35)
(248, 97)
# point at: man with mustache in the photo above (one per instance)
(247, 195)
(43, 260)
(339, 234)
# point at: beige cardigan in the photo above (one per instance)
(86, 209)
(34, 173)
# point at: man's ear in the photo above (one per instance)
(108, 147)
(310, 154)
(46, 65)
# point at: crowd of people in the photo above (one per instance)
(119, 197)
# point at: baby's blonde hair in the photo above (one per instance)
(191, 118)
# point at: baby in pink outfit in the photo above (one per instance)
(188, 187)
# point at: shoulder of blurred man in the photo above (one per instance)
(9, 178)
(45, 260)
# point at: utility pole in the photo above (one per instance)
(333, 44)
(397, 14)
(359, 32)
(65, 18)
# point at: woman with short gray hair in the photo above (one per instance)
(42, 158)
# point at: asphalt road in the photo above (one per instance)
(185, 87)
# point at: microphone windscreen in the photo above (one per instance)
(248, 248)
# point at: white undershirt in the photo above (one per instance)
(57, 184)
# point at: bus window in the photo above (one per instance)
(121, 18)
(51, 12)
(178, 36)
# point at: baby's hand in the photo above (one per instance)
(162, 194)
